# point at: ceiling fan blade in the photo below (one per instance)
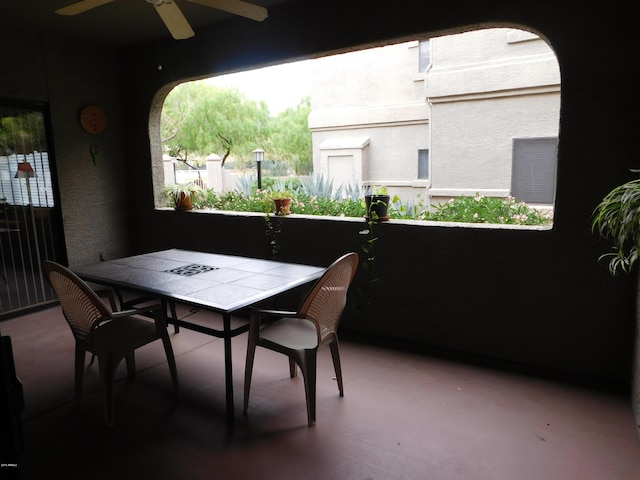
(82, 6)
(238, 7)
(174, 19)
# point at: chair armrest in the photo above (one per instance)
(269, 316)
(131, 304)
(266, 312)
(150, 309)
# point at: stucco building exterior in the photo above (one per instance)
(476, 112)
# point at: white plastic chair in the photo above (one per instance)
(300, 334)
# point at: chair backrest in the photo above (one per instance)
(81, 306)
(326, 301)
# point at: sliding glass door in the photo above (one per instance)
(30, 225)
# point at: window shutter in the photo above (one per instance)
(533, 176)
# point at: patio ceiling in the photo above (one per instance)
(117, 24)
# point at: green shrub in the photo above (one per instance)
(481, 209)
(478, 209)
(236, 201)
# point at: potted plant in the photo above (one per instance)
(617, 217)
(181, 195)
(365, 290)
(282, 202)
(377, 203)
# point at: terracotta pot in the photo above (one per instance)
(283, 206)
(185, 202)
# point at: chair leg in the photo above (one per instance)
(293, 371)
(79, 373)
(107, 366)
(335, 355)
(130, 360)
(308, 367)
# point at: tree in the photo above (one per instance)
(291, 137)
(202, 119)
(22, 133)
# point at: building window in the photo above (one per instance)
(425, 56)
(423, 164)
(533, 177)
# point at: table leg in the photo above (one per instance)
(174, 314)
(228, 369)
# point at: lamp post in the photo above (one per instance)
(259, 156)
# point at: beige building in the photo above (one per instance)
(471, 113)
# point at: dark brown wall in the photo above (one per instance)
(538, 298)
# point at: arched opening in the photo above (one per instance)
(471, 117)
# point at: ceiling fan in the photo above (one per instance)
(173, 17)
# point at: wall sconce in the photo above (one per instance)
(259, 156)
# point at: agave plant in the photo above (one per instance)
(245, 183)
(617, 217)
(319, 186)
(352, 191)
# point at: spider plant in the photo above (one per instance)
(181, 195)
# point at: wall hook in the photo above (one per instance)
(94, 150)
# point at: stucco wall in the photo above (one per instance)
(484, 89)
(68, 75)
(473, 140)
(488, 87)
(393, 152)
(375, 94)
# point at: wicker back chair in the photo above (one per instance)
(110, 336)
(300, 334)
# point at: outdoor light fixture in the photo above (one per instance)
(26, 171)
(259, 156)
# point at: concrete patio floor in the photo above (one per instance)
(406, 414)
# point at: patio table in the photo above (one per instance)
(217, 282)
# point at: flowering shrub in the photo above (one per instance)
(236, 201)
(478, 209)
(321, 205)
(481, 209)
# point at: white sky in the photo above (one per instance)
(280, 86)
